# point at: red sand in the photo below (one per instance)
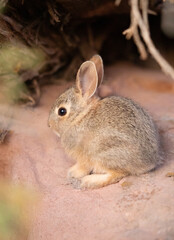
(135, 208)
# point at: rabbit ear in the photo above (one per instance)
(87, 79)
(97, 60)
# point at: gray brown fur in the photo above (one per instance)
(113, 133)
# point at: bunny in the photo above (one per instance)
(110, 138)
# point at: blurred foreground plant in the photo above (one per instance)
(3, 5)
(17, 61)
(16, 204)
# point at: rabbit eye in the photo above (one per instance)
(62, 111)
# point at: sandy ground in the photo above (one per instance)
(135, 208)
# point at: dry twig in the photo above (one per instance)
(144, 7)
(141, 21)
(132, 31)
(53, 12)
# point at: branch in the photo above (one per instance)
(132, 31)
(165, 66)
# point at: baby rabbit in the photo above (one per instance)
(109, 138)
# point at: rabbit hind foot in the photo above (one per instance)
(100, 180)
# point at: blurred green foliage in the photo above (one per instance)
(16, 204)
(16, 59)
(2, 5)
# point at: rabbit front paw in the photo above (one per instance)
(93, 181)
(77, 171)
(75, 174)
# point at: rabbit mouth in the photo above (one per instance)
(57, 133)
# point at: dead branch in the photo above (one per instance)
(132, 31)
(141, 21)
(144, 7)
